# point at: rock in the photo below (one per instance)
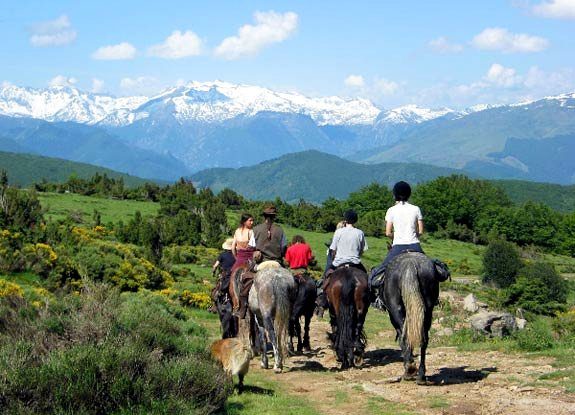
(520, 322)
(447, 331)
(470, 304)
(494, 324)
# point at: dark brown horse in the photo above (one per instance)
(410, 291)
(348, 298)
(304, 306)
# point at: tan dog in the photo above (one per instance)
(234, 355)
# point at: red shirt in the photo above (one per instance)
(298, 255)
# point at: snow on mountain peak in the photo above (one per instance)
(409, 114)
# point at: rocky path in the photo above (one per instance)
(459, 382)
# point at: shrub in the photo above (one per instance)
(501, 263)
(536, 337)
(197, 300)
(102, 352)
(564, 325)
(539, 289)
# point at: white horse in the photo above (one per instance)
(270, 301)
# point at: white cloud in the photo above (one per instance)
(142, 85)
(120, 51)
(6, 84)
(502, 76)
(61, 80)
(177, 45)
(56, 32)
(442, 45)
(385, 87)
(270, 27)
(497, 38)
(555, 9)
(97, 85)
(354, 81)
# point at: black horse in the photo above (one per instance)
(348, 297)
(410, 291)
(224, 307)
(304, 305)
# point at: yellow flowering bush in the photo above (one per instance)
(40, 258)
(196, 299)
(11, 257)
(9, 289)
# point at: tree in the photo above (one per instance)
(180, 196)
(19, 210)
(456, 198)
(501, 263)
(370, 198)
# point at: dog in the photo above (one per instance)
(234, 355)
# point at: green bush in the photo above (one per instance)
(539, 289)
(501, 263)
(102, 352)
(536, 337)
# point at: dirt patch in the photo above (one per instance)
(459, 382)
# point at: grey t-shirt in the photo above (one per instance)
(348, 244)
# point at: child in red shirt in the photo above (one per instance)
(299, 254)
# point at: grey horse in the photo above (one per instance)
(271, 300)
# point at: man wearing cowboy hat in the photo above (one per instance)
(270, 238)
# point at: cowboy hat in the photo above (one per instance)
(270, 210)
(227, 245)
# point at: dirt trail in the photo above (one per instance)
(460, 382)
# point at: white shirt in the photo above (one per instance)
(404, 217)
(348, 244)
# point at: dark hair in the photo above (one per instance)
(350, 216)
(298, 238)
(244, 218)
(401, 191)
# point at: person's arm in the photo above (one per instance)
(216, 265)
(234, 251)
(389, 229)
(419, 227)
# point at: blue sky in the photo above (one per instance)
(442, 53)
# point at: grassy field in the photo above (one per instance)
(61, 205)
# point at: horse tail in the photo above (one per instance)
(346, 321)
(414, 308)
(283, 293)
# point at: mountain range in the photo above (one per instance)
(197, 126)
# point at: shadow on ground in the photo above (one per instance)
(458, 375)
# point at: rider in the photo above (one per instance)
(348, 243)
(271, 243)
(269, 237)
(403, 223)
(225, 261)
(298, 255)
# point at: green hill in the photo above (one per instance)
(313, 176)
(25, 169)
(556, 196)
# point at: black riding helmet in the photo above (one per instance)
(401, 191)
(350, 216)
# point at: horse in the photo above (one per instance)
(348, 297)
(304, 305)
(410, 291)
(223, 304)
(270, 301)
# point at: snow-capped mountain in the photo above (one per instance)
(62, 103)
(411, 114)
(209, 102)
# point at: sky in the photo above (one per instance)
(430, 53)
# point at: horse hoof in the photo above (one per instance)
(306, 349)
(278, 369)
(358, 361)
(422, 382)
(264, 365)
(408, 378)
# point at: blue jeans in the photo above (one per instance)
(395, 251)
